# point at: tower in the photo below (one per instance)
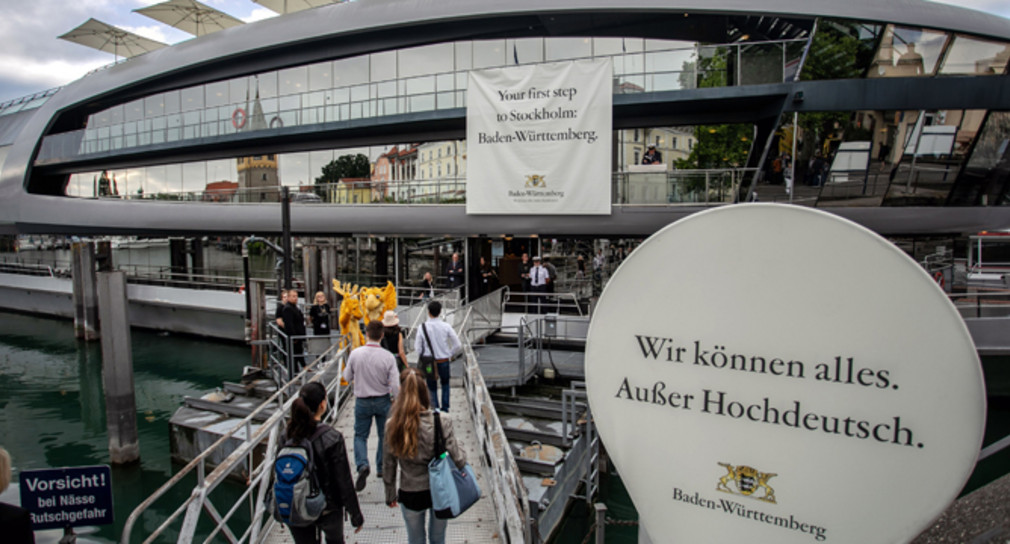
(258, 180)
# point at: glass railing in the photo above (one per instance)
(695, 187)
(640, 72)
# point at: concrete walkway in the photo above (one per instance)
(385, 525)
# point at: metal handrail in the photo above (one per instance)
(509, 496)
(539, 301)
(269, 430)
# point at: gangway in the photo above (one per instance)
(249, 447)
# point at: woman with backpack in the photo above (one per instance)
(410, 446)
(330, 465)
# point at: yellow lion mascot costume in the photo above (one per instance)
(362, 304)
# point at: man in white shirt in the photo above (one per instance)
(539, 278)
(444, 343)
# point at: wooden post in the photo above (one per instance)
(117, 369)
(85, 296)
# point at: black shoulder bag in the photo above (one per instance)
(426, 363)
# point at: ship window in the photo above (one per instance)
(974, 56)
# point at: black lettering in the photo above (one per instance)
(707, 402)
(625, 388)
(650, 346)
(883, 379)
(699, 356)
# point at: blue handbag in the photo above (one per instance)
(453, 491)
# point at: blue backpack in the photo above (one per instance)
(298, 499)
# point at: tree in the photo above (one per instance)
(344, 166)
(719, 146)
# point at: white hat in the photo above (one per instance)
(389, 319)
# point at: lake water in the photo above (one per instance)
(53, 410)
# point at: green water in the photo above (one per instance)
(52, 412)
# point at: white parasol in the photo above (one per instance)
(190, 16)
(105, 37)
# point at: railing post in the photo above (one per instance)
(601, 522)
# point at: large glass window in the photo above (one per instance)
(993, 145)
(429, 59)
(293, 81)
(192, 98)
(383, 66)
(488, 54)
(841, 50)
(218, 94)
(568, 48)
(908, 52)
(525, 50)
(353, 71)
(974, 56)
(320, 76)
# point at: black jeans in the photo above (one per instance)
(331, 524)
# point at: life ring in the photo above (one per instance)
(276, 122)
(938, 277)
(239, 118)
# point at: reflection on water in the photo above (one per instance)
(52, 410)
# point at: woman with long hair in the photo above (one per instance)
(410, 446)
(331, 467)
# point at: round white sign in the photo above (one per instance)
(770, 373)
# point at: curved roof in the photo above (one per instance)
(353, 28)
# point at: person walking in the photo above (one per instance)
(330, 463)
(410, 439)
(392, 338)
(444, 344)
(373, 371)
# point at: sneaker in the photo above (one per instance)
(359, 484)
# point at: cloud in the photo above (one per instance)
(259, 14)
(157, 32)
(22, 78)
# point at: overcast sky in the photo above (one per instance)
(32, 59)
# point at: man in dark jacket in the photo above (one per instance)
(294, 325)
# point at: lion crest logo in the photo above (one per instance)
(746, 481)
(535, 180)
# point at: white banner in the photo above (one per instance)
(539, 139)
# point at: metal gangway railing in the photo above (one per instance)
(259, 443)
(544, 303)
(253, 458)
(509, 493)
